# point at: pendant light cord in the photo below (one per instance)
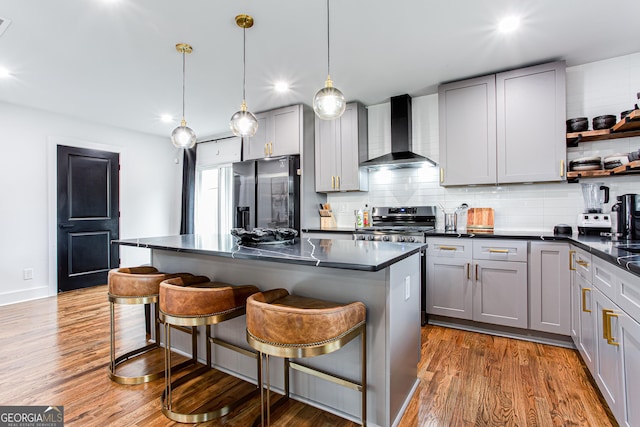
(183, 80)
(244, 61)
(328, 44)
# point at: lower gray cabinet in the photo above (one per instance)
(449, 287)
(630, 354)
(608, 366)
(583, 312)
(549, 287)
(481, 281)
(500, 293)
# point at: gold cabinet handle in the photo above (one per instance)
(606, 326)
(338, 182)
(333, 182)
(476, 272)
(571, 254)
(468, 271)
(266, 149)
(584, 300)
(562, 167)
(498, 251)
(582, 263)
(447, 248)
(441, 174)
(270, 148)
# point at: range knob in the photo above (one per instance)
(385, 238)
(400, 238)
(360, 237)
(412, 239)
(370, 237)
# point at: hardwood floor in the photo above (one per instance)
(55, 351)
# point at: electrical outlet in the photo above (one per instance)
(27, 274)
(407, 288)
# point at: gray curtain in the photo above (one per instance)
(188, 190)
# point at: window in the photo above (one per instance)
(214, 186)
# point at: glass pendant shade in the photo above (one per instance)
(243, 123)
(329, 102)
(183, 136)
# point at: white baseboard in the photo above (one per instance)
(24, 295)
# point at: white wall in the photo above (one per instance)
(604, 87)
(150, 182)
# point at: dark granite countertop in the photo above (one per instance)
(602, 247)
(346, 254)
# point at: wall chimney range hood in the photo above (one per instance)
(401, 155)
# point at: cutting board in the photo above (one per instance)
(480, 220)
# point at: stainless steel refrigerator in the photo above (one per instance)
(266, 193)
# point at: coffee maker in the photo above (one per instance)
(593, 220)
(626, 217)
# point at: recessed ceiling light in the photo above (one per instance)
(4, 73)
(281, 86)
(509, 24)
(167, 118)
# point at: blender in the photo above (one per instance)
(593, 220)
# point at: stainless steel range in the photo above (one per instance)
(399, 224)
(403, 224)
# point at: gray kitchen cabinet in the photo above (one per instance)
(630, 359)
(480, 280)
(608, 367)
(617, 306)
(500, 293)
(583, 307)
(504, 128)
(549, 287)
(467, 116)
(582, 311)
(531, 131)
(340, 146)
(279, 133)
(449, 285)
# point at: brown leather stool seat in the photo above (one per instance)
(135, 285)
(291, 326)
(196, 301)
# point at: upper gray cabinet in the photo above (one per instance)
(279, 133)
(467, 115)
(504, 128)
(340, 146)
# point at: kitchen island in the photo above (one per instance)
(384, 276)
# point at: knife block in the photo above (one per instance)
(327, 220)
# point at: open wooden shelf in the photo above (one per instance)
(631, 167)
(625, 128)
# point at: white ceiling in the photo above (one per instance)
(114, 61)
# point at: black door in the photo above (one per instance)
(87, 216)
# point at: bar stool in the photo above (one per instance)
(291, 326)
(135, 285)
(195, 301)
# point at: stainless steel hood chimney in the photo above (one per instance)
(401, 155)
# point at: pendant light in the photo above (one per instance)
(243, 122)
(329, 102)
(183, 136)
